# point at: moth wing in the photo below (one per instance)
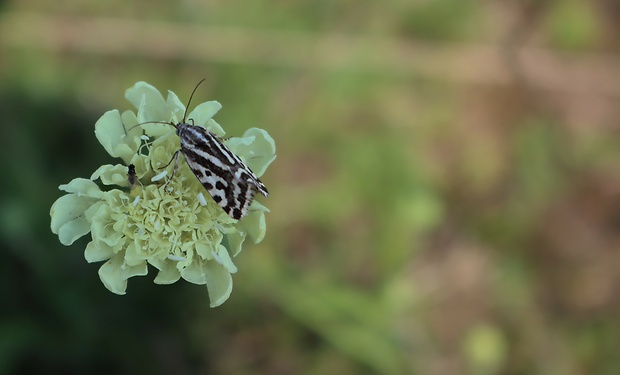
(249, 175)
(260, 187)
(222, 173)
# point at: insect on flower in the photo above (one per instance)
(229, 181)
(131, 175)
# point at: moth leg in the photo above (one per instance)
(175, 157)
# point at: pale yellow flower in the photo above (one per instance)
(180, 231)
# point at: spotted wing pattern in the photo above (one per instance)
(228, 180)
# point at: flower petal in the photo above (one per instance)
(92, 210)
(133, 255)
(235, 240)
(219, 283)
(68, 219)
(113, 136)
(148, 101)
(72, 230)
(223, 255)
(82, 187)
(203, 248)
(155, 130)
(168, 272)
(195, 272)
(102, 227)
(256, 148)
(254, 223)
(175, 107)
(97, 252)
(134, 132)
(203, 112)
(214, 128)
(141, 162)
(162, 150)
(114, 273)
(112, 175)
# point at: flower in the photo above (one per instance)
(170, 223)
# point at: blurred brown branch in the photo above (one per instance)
(552, 71)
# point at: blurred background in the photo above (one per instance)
(446, 197)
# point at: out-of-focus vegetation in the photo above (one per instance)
(446, 198)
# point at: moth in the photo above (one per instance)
(229, 181)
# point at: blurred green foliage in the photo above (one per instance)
(420, 223)
(573, 25)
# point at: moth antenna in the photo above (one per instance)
(170, 123)
(149, 122)
(190, 99)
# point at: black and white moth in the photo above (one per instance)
(229, 181)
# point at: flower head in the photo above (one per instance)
(170, 223)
